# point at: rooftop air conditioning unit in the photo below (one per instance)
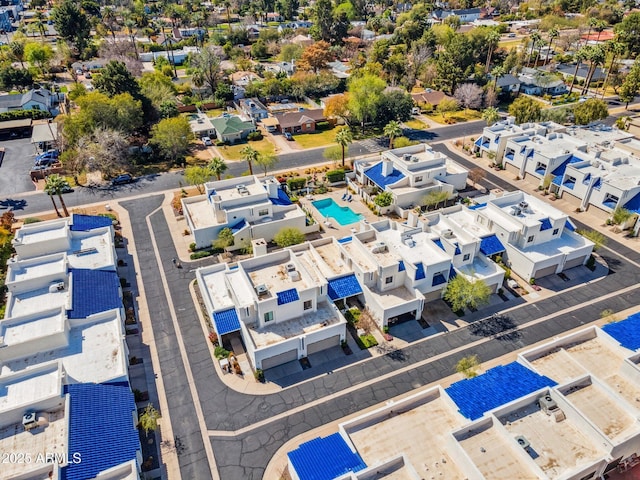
(515, 211)
(523, 205)
(291, 267)
(200, 120)
(379, 247)
(547, 404)
(523, 442)
(294, 275)
(410, 242)
(29, 420)
(56, 287)
(448, 233)
(406, 157)
(262, 290)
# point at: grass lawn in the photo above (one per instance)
(457, 117)
(232, 152)
(415, 124)
(507, 44)
(216, 112)
(318, 139)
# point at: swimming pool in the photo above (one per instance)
(343, 215)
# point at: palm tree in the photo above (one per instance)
(599, 27)
(130, 29)
(553, 33)
(249, 155)
(218, 166)
(497, 72)
(535, 39)
(493, 37)
(579, 57)
(392, 130)
(56, 185)
(596, 57)
(593, 22)
(344, 138)
(38, 24)
(16, 48)
(490, 115)
(616, 49)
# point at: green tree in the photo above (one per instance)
(598, 239)
(615, 49)
(323, 20)
(197, 176)
(392, 130)
(447, 105)
(344, 138)
(249, 155)
(148, 421)
(628, 33)
(491, 115)
(266, 162)
(172, 136)
(56, 185)
(206, 68)
(383, 199)
(631, 85)
(434, 198)
(553, 34)
(621, 215)
(16, 49)
(364, 95)
(525, 109)
(288, 236)
(393, 105)
(115, 79)
(72, 24)
(218, 166)
(493, 38)
(157, 87)
(39, 55)
(224, 240)
(468, 366)
(589, 111)
(315, 57)
(463, 293)
(259, 49)
(18, 78)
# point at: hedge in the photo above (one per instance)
(366, 341)
(335, 176)
(296, 183)
(20, 114)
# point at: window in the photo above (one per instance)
(555, 231)
(466, 257)
(530, 239)
(268, 317)
(262, 213)
(246, 312)
(388, 280)
(308, 305)
(418, 179)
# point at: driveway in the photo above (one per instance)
(14, 171)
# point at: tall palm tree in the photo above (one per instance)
(249, 155)
(218, 166)
(56, 185)
(593, 22)
(596, 57)
(344, 138)
(579, 57)
(392, 130)
(599, 27)
(493, 38)
(497, 72)
(17, 51)
(553, 33)
(535, 39)
(130, 29)
(616, 49)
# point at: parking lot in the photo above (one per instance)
(14, 171)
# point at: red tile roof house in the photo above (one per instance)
(303, 121)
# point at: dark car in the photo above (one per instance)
(122, 179)
(48, 155)
(288, 136)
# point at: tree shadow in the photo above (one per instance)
(12, 204)
(497, 326)
(391, 352)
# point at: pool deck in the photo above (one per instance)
(333, 227)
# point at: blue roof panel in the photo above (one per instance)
(419, 271)
(82, 223)
(344, 287)
(438, 279)
(503, 384)
(569, 226)
(491, 245)
(375, 175)
(287, 296)
(545, 224)
(401, 266)
(93, 291)
(438, 242)
(325, 459)
(236, 227)
(626, 332)
(283, 198)
(633, 205)
(226, 321)
(101, 429)
(345, 240)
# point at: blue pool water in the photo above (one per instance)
(343, 215)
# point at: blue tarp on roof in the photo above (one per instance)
(626, 332)
(82, 223)
(438, 242)
(287, 296)
(344, 287)
(419, 271)
(478, 206)
(401, 266)
(325, 459)
(499, 385)
(236, 227)
(633, 205)
(226, 321)
(283, 198)
(570, 226)
(375, 175)
(93, 291)
(491, 245)
(545, 224)
(101, 429)
(345, 240)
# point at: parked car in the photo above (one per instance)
(44, 163)
(48, 155)
(88, 75)
(122, 179)
(207, 141)
(288, 136)
(79, 71)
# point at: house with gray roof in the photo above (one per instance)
(39, 99)
(538, 82)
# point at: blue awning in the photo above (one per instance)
(419, 271)
(491, 245)
(438, 279)
(633, 205)
(283, 198)
(569, 226)
(226, 321)
(557, 180)
(345, 240)
(238, 226)
(401, 266)
(452, 273)
(438, 242)
(375, 175)
(545, 224)
(287, 296)
(478, 142)
(344, 287)
(478, 206)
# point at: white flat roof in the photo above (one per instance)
(565, 243)
(201, 213)
(22, 270)
(94, 353)
(17, 330)
(530, 216)
(396, 296)
(252, 187)
(91, 250)
(465, 221)
(357, 254)
(424, 250)
(217, 288)
(275, 276)
(41, 232)
(479, 268)
(25, 303)
(28, 387)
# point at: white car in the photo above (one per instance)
(207, 141)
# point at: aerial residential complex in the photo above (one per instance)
(66, 405)
(565, 410)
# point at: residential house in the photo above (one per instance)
(231, 128)
(301, 121)
(174, 56)
(568, 70)
(253, 30)
(409, 174)
(243, 78)
(539, 240)
(38, 99)
(279, 305)
(508, 83)
(295, 25)
(6, 20)
(253, 109)
(340, 69)
(251, 207)
(633, 126)
(287, 68)
(466, 15)
(201, 125)
(430, 97)
(302, 40)
(537, 82)
(188, 32)
(274, 17)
